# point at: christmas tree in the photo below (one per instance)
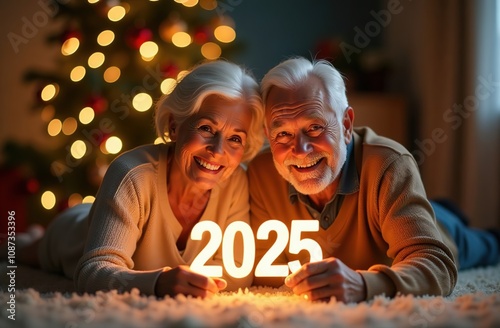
(117, 58)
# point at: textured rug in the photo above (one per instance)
(475, 302)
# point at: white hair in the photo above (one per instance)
(295, 72)
(220, 78)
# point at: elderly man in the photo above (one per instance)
(377, 231)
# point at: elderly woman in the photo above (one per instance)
(136, 233)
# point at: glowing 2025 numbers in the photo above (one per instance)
(265, 267)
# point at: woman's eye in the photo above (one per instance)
(236, 139)
(205, 128)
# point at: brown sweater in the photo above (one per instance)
(386, 230)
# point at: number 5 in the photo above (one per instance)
(297, 244)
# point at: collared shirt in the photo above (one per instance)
(348, 184)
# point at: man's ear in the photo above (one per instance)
(348, 124)
(172, 128)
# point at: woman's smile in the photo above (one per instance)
(207, 166)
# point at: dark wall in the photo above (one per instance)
(270, 31)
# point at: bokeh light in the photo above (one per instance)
(142, 102)
(77, 73)
(167, 85)
(54, 127)
(96, 59)
(105, 38)
(69, 126)
(49, 91)
(116, 13)
(74, 199)
(113, 145)
(48, 200)
(225, 34)
(70, 46)
(148, 50)
(88, 199)
(86, 115)
(78, 149)
(211, 50)
(112, 74)
(181, 39)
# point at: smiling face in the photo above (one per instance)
(307, 138)
(210, 144)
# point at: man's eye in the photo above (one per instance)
(315, 130)
(282, 134)
(283, 137)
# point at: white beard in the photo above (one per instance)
(314, 182)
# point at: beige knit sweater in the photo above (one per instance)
(386, 230)
(132, 231)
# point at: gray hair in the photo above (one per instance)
(220, 78)
(297, 71)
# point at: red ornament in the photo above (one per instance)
(137, 36)
(169, 70)
(201, 35)
(71, 33)
(32, 186)
(98, 103)
(62, 205)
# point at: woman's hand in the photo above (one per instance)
(181, 280)
(323, 279)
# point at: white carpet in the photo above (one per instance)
(475, 302)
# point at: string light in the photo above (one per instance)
(113, 145)
(142, 102)
(181, 74)
(105, 38)
(69, 126)
(54, 127)
(48, 113)
(74, 199)
(86, 115)
(78, 149)
(49, 92)
(48, 200)
(190, 3)
(116, 13)
(181, 39)
(167, 85)
(148, 50)
(70, 46)
(88, 199)
(112, 74)
(211, 50)
(208, 4)
(77, 73)
(96, 59)
(225, 34)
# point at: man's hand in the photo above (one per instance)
(181, 280)
(326, 278)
